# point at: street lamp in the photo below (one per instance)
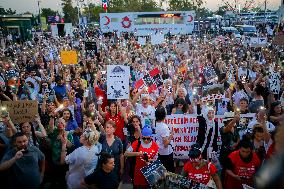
(39, 21)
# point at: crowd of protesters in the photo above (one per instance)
(81, 139)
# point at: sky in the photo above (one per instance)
(31, 5)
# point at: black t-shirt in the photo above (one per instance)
(79, 93)
(103, 180)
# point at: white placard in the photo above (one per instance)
(274, 82)
(54, 30)
(185, 128)
(157, 39)
(118, 82)
(68, 28)
(141, 40)
(258, 41)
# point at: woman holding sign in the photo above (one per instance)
(200, 170)
(145, 151)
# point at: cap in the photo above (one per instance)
(147, 131)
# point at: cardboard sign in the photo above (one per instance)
(154, 172)
(69, 57)
(21, 111)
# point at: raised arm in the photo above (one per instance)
(42, 133)
(11, 129)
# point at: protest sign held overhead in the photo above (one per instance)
(21, 111)
(118, 82)
(152, 80)
(69, 57)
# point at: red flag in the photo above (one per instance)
(139, 84)
(154, 72)
(152, 88)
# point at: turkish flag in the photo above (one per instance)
(140, 83)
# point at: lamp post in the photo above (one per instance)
(39, 21)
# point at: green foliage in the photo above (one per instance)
(45, 12)
(133, 6)
(185, 5)
(94, 12)
(188, 5)
(70, 12)
(7, 11)
(222, 10)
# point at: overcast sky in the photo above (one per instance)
(31, 5)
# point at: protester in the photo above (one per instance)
(208, 83)
(164, 140)
(145, 150)
(199, 169)
(32, 134)
(104, 176)
(241, 166)
(111, 144)
(25, 163)
(83, 161)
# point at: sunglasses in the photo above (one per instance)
(147, 138)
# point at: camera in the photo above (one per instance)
(145, 157)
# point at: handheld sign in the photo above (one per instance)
(21, 111)
(69, 57)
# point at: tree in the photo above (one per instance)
(45, 12)
(149, 6)
(94, 12)
(7, 11)
(133, 6)
(221, 10)
(70, 12)
(185, 5)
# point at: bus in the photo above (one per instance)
(249, 30)
(259, 17)
(148, 23)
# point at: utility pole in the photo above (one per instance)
(39, 20)
(265, 8)
(78, 8)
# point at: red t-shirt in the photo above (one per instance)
(119, 121)
(139, 179)
(201, 175)
(101, 93)
(243, 170)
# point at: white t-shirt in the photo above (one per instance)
(82, 163)
(145, 113)
(270, 127)
(162, 130)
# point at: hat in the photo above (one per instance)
(147, 131)
(229, 116)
